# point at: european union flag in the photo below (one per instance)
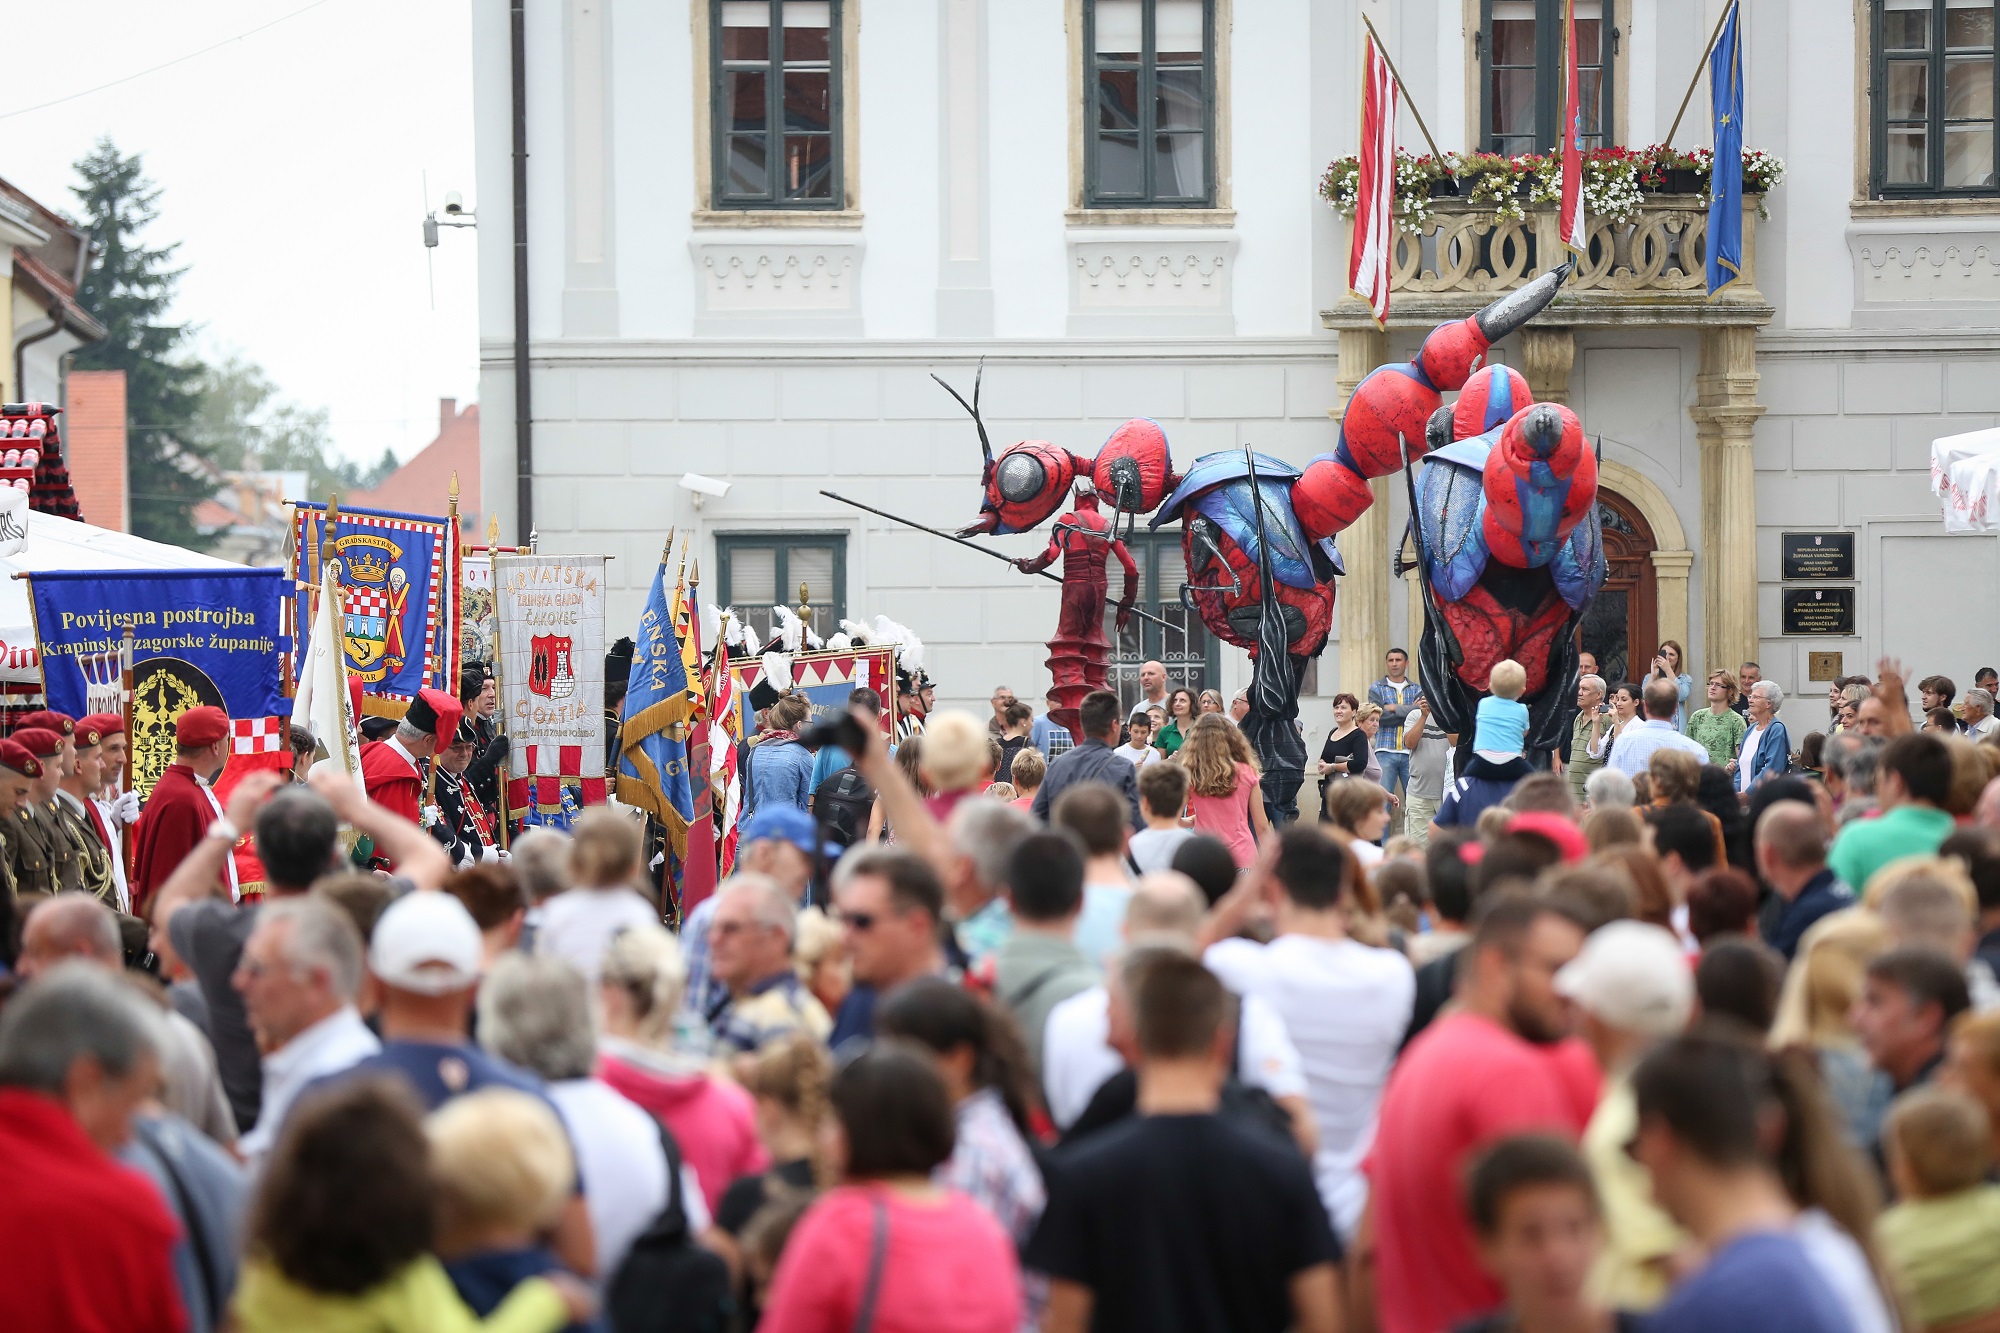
(653, 739)
(1725, 187)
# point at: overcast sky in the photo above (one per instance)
(292, 164)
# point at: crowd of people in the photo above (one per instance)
(997, 1027)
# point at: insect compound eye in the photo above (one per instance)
(1021, 477)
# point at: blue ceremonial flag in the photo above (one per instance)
(653, 739)
(1725, 182)
(398, 576)
(202, 636)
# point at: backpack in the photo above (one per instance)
(667, 1283)
(842, 804)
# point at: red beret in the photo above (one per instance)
(15, 758)
(62, 724)
(38, 741)
(87, 737)
(200, 726)
(106, 725)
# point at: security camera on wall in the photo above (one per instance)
(703, 487)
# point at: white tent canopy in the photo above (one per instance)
(1965, 476)
(31, 542)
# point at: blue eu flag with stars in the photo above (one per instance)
(1725, 208)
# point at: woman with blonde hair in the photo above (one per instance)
(640, 988)
(788, 1081)
(1223, 789)
(819, 957)
(1821, 987)
(1211, 702)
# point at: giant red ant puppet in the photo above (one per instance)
(1505, 519)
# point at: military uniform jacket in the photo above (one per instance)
(463, 825)
(93, 857)
(44, 860)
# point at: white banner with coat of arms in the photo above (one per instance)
(549, 611)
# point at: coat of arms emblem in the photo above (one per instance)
(550, 673)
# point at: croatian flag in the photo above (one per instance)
(1570, 228)
(1372, 246)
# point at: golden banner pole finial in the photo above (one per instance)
(805, 606)
(492, 533)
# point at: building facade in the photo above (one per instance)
(757, 228)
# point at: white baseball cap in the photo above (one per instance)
(1633, 976)
(428, 943)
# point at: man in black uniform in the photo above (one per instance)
(464, 825)
(480, 695)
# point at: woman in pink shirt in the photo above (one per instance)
(888, 1250)
(1223, 790)
(713, 1121)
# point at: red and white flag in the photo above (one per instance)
(1372, 244)
(726, 788)
(1570, 227)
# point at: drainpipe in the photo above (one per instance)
(21, 351)
(524, 429)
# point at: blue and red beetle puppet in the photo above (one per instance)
(1504, 517)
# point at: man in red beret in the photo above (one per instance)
(181, 807)
(18, 771)
(45, 861)
(62, 724)
(116, 809)
(80, 820)
(392, 769)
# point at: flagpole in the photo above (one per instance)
(1408, 100)
(1700, 65)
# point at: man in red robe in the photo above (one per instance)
(181, 808)
(392, 769)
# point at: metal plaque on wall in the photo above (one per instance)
(1817, 555)
(1826, 613)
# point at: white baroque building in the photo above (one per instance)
(756, 227)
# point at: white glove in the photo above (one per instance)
(491, 855)
(125, 810)
(429, 815)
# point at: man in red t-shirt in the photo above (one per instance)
(89, 1243)
(1482, 1071)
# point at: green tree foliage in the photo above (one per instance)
(187, 420)
(244, 425)
(130, 290)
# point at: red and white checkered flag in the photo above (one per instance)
(1571, 229)
(1372, 242)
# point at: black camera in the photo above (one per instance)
(841, 729)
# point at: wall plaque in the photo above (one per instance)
(1826, 613)
(1824, 666)
(1817, 555)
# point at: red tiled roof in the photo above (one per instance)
(422, 485)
